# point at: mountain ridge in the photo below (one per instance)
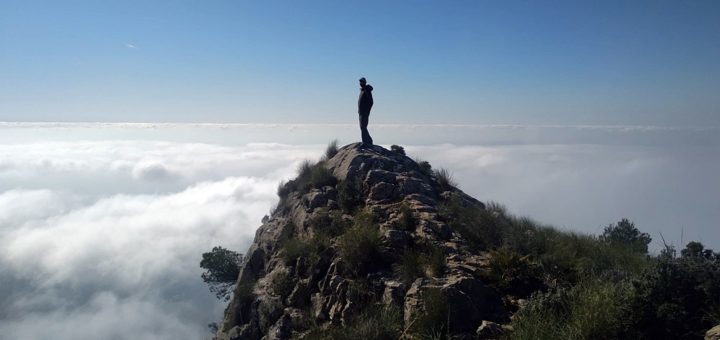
(390, 187)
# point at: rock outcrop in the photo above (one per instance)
(301, 273)
(713, 333)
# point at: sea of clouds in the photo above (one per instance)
(102, 226)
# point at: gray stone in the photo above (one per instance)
(315, 199)
(380, 176)
(489, 330)
(300, 295)
(394, 293)
(382, 192)
(713, 333)
(411, 185)
(397, 239)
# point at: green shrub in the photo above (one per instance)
(350, 195)
(435, 261)
(513, 273)
(480, 227)
(222, 267)
(320, 176)
(330, 224)
(678, 297)
(375, 322)
(294, 249)
(434, 319)
(282, 283)
(593, 309)
(625, 235)
(360, 246)
(397, 149)
(424, 166)
(407, 220)
(331, 150)
(409, 267)
(309, 176)
(423, 260)
(444, 179)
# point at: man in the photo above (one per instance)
(365, 103)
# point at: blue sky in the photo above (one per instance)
(611, 62)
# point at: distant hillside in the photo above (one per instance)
(370, 244)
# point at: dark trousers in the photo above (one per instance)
(366, 139)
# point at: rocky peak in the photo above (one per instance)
(361, 231)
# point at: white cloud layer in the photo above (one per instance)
(101, 238)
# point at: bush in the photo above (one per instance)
(222, 267)
(409, 267)
(294, 248)
(320, 176)
(593, 309)
(678, 297)
(350, 195)
(329, 224)
(397, 149)
(309, 176)
(480, 227)
(360, 246)
(424, 167)
(406, 221)
(282, 284)
(376, 322)
(422, 260)
(513, 273)
(332, 149)
(444, 179)
(433, 321)
(435, 263)
(624, 234)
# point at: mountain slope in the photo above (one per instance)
(356, 232)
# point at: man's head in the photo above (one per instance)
(363, 81)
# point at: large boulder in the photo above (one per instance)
(713, 333)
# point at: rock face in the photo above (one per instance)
(713, 333)
(297, 276)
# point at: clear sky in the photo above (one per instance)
(574, 62)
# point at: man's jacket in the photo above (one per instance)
(365, 102)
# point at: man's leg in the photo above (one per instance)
(366, 139)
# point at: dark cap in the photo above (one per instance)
(363, 80)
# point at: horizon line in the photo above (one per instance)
(49, 124)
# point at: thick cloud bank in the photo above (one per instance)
(110, 247)
(101, 237)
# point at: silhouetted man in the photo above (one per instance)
(365, 103)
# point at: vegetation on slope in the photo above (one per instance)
(559, 284)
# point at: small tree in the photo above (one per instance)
(626, 235)
(222, 267)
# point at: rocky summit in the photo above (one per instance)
(363, 236)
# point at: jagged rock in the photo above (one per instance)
(325, 292)
(380, 176)
(414, 186)
(269, 309)
(466, 299)
(246, 331)
(396, 239)
(300, 295)
(382, 192)
(315, 199)
(489, 330)
(281, 330)
(713, 333)
(394, 293)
